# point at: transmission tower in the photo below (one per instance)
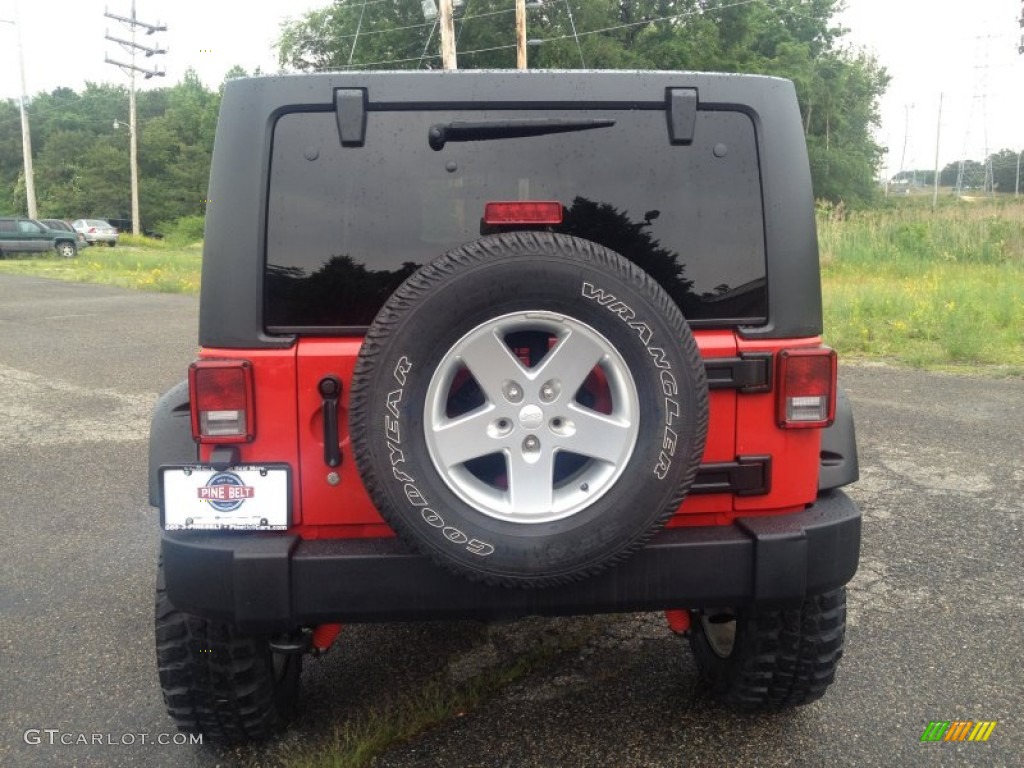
(970, 177)
(133, 48)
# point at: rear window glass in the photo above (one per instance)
(346, 225)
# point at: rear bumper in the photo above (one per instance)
(274, 582)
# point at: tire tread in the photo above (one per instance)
(783, 658)
(216, 681)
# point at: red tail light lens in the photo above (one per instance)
(807, 388)
(222, 405)
(523, 212)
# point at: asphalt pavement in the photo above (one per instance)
(935, 612)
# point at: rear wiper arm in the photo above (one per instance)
(441, 133)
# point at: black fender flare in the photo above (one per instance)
(170, 436)
(839, 465)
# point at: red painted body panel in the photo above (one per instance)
(720, 444)
(289, 428)
(324, 504)
(796, 454)
(274, 399)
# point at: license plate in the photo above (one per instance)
(248, 498)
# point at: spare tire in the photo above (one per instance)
(528, 409)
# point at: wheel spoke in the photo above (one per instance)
(531, 483)
(459, 440)
(492, 363)
(598, 436)
(570, 361)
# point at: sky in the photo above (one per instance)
(966, 51)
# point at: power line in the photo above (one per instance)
(671, 17)
(696, 12)
(575, 36)
(355, 39)
(372, 31)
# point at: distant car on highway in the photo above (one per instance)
(21, 235)
(96, 231)
(63, 226)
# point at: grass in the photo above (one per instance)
(138, 263)
(930, 289)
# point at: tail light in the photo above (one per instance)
(807, 388)
(92, 230)
(222, 405)
(523, 212)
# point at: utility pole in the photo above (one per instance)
(1016, 186)
(26, 134)
(520, 34)
(938, 136)
(132, 47)
(447, 19)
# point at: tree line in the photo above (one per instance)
(1005, 167)
(81, 154)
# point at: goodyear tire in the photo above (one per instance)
(769, 659)
(528, 409)
(218, 681)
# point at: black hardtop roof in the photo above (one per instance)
(231, 305)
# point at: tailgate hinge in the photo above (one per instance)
(750, 372)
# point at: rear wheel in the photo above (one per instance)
(66, 249)
(218, 681)
(767, 659)
(111, 243)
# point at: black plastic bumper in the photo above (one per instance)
(277, 582)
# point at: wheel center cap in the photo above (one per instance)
(531, 417)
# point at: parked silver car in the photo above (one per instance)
(96, 231)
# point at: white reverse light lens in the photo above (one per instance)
(807, 408)
(222, 423)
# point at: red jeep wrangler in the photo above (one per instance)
(487, 344)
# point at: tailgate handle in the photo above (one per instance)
(682, 114)
(330, 391)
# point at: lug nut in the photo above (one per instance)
(549, 390)
(531, 443)
(513, 392)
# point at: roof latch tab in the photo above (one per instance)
(682, 114)
(350, 112)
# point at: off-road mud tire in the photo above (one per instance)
(219, 682)
(780, 658)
